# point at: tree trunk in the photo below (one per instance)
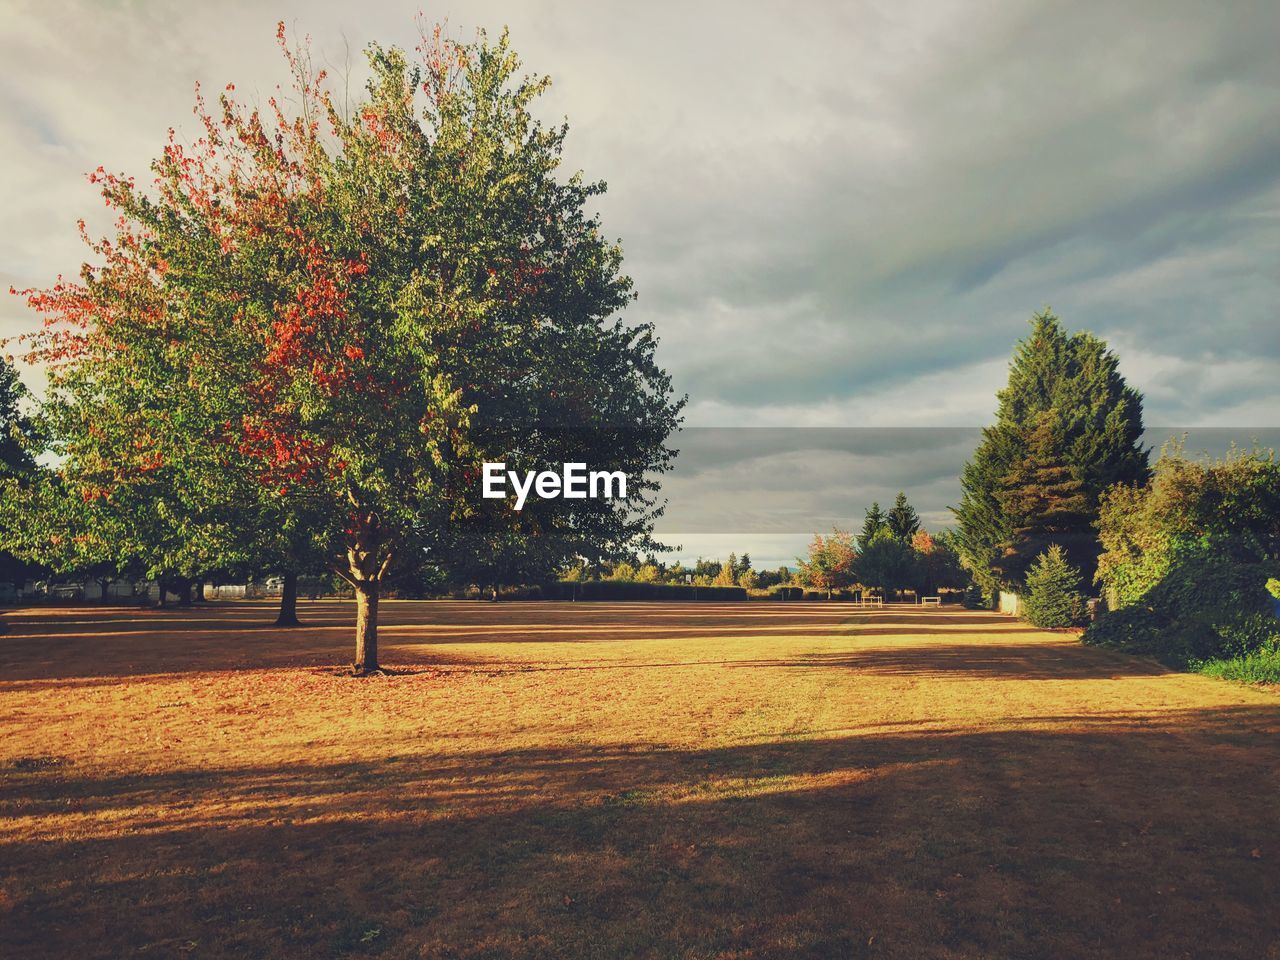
(104, 599)
(163, 602)
(493, 596)
(288, 602)
(184, 591)
(366, 627)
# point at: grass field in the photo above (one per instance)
(610, 780)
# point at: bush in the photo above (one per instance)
(630, 590)
(783, 591)
(974, 598)
(1053, 597)
(1131, 629)
(1206, 607)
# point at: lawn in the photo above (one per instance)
(624, 780)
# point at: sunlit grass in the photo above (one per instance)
(622, 780)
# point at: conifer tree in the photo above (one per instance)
(1045, 503)
(902, 519)
(1053, 597)
(1066, 410)
(874, 522)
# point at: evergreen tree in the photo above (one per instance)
(1065, 410)
(1045, 502)
(902, 519)
(875, 522)
(1053, 596)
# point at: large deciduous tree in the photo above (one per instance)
(830, 563)
(322, 321)
(1067, 428)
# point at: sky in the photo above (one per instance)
(837, 216)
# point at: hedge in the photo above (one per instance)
(630, 590)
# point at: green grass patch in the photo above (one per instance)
(1261, 666)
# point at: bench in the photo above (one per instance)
(930, 601)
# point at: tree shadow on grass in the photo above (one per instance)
(85, 643)
(1028, 661)
(1137, 835)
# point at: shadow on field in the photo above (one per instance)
(1029, 661)
(84, 644)
(1139, 835)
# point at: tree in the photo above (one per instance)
(1044, 502)
(830, 564)
(1053, 597)
(347, 313)
(937, 563)
(1066, 390)
(887, 563)
(874, 522)
(902, 519)
(17, 468)
(748, 579)
(728, 574)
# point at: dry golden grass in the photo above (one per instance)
(610, 780)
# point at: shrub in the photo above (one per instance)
(1205, 607)
(975, 599)
(1053, 597)
(783, 591)
(1131, 629)
(1195, 549)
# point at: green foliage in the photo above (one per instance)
(830, 565)
(16, 428)
(887, 563)
(784, 591)
(1261, 666)
(937, 563)
(1053, 597)
(873, 523)
(975, 599)
(902, 519)
(1189, 559)
(1044, 502)
(1065, 417)
(18, 472)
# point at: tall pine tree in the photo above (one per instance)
(875, 522)
(1066, 412)
(902, 519)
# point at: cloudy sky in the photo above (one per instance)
(837, 215)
